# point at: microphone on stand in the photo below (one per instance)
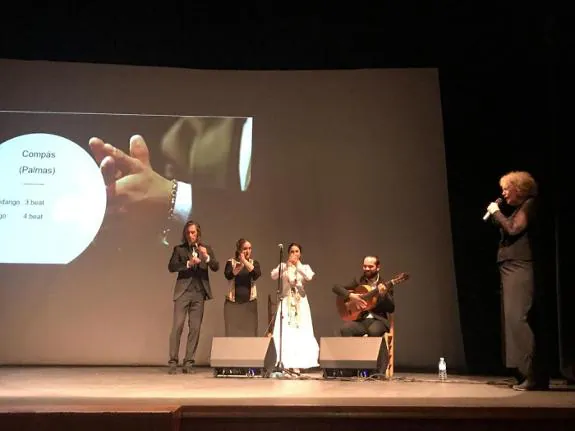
(486, 216)
(281, 265)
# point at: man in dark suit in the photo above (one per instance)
(191, 260)
(374, 322)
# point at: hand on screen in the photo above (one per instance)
(133, 187)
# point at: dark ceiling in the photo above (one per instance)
(212, 35)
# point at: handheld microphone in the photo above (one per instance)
(486, 216)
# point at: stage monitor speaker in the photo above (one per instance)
(350, 352)
(241, 355)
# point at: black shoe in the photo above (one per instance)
(530, 385)
(519, 380)
(173, 368)
(188, 368)
(518, 376)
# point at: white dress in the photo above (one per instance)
(299, 346)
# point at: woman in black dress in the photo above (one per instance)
(519, 267)
(241, 306)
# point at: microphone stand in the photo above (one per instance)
(279, 368)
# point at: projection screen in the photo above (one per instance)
(346, 163)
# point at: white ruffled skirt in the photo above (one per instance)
(299, 346)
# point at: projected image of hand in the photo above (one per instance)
(141, 200)
(133, 188)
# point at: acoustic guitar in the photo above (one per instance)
(369, 294)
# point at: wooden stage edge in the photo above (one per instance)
(370, 412)
(151, 392)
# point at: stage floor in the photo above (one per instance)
(69, 389)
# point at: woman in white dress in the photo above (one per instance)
(299, 346)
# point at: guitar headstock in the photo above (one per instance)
(399, 278)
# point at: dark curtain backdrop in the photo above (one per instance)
(501, 91)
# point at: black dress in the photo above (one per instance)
(241, 305)
(518, 268)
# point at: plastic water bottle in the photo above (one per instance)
(442, 370)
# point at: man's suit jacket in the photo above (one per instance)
(205, 153)
(180, 256)
(385, 304)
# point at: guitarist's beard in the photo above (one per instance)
(371, 275)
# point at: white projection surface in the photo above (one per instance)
(46, 180)
(346, 163)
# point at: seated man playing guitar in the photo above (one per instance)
(365, 305)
